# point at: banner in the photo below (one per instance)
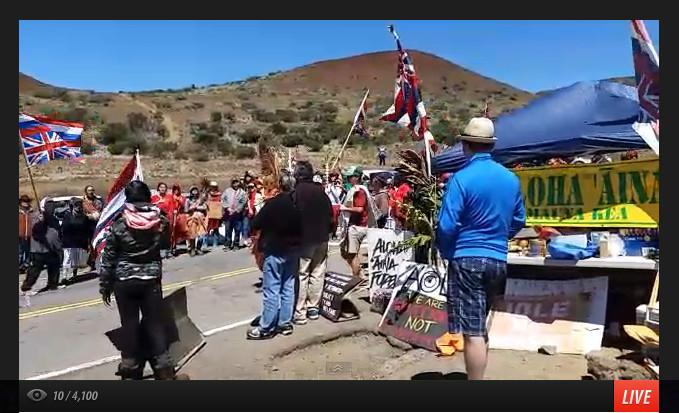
(417, 313)
(623, 194)
(385, 254)
(568, 315)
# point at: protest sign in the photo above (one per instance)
(568, 315)
(385, 253)
(334, 305)
(417, 312)
(624, 194)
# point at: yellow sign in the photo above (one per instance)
(623, 194)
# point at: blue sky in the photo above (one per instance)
(141, 55)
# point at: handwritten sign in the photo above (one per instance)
(333, 300)
(385, 254)
(568, 315)
(624, 194)
(417, 312)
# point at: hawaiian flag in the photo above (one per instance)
(408, 108)
(359, 119)
(44, 139)
(115, 201)
(647, 74)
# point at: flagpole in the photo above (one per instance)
(30, 174)
(350, 130)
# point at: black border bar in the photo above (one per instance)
(346, 396)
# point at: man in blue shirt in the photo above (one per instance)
(482, 208)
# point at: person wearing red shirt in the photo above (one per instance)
(163, 200)
(399, 197)
(178, 218)
(358, 221)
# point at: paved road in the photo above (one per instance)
(64, 328)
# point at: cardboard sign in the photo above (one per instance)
(417, 313)
(568, 315)
(184, 337)
(385, 254)
(334, 305)
(623, 194)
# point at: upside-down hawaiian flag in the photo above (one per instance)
(115, 200)
(647, 74)
(44, 139)
(359, 119)
(408, 108)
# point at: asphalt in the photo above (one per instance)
(64, 329)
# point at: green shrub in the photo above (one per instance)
(43, 94)
(128, 146)
(248, 106)
(287, 115)
(216, 117)
(245, 152)
(310, 115)
(205, 137)
(225, 147)
(252, 78)
(137, 122)
(265, 116)
(250, 136)
(181, 97)
(200, 156)
(99, 98)
(114, 132)
(290, 141)
(181, 154)
(86, 147)
(164, 105)
(314, 146)
(278, 129)
(307, 104)
(197, 105)
(329, 107)
(160, 149)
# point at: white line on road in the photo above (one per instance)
(110, 359)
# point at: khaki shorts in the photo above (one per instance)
(355, 236)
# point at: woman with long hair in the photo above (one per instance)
(179, 219)
(196, 223)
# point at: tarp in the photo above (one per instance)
(581, 119)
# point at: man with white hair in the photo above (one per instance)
(481, 209)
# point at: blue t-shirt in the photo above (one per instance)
(482, 208)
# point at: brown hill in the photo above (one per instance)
(310, 106)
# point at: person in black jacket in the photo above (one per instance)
(316, 212)
(278, 223)
(45, 249)
(131, 269)
(75, 236)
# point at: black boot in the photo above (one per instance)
(127, 372)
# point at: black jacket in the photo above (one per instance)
(279, 225)
(45, 237)
(316, 212)
(75, 231)
(132, 253)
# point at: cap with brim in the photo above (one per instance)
(213, 183)
(480, 130)
(25, 198)
(353, 171)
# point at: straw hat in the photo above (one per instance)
(479, 130)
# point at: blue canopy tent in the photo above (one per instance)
(581, 119)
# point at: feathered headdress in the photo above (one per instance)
(268, 160)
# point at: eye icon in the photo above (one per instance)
(37, 395)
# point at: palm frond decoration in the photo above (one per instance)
(424, 203)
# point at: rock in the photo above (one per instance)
(401, 345)
(613, 364)
(548, 350)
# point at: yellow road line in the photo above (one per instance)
(173, 286)
(97, 301)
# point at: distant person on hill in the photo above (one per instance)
(382, 154)
(482, 208)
